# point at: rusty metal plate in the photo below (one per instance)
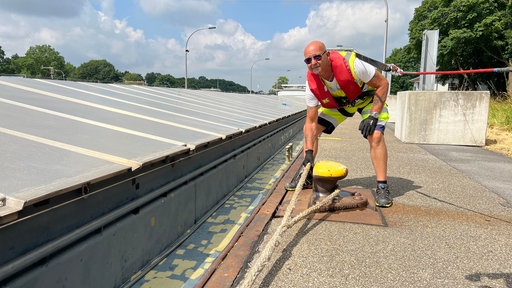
(370, 214)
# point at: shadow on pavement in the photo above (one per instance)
(398, 186)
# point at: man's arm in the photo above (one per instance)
(309, 128)
(380, 83)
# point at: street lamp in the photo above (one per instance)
(386, 74)
(250, 91)
(186, 51)
(385, 33)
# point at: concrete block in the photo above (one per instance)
(391, 101)
(442, 117)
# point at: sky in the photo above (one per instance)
(142, 36)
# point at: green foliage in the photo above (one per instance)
(129, 77)
(473, 34)
(279, 83)
(97, 71)
(6, 66)
(40, 61)
(166, 81)
(69, 69)
(405, 59)
(500, 113)
(151, 78)
(157, 79)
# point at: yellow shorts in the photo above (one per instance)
(331, 118)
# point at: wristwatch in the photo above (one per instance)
(375, 115)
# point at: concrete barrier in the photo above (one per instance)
(391, 101)
(442, 117)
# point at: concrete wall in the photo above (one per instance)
(442, 117)
(391, 101)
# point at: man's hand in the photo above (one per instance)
(308, 158)
(368, 125)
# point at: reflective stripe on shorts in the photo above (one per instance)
(331, 118)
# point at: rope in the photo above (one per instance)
(395, 70)
(471, 71)
(257, 266)
(313, 209)
(285, 225)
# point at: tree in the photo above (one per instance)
(40, 61)
(165, 81)
(68, 70)
(279, 83)
(6, 66)
(403, 58)
(129, 77)
(151, 78)
(472, 34)
(97, 71)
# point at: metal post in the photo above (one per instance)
(186, 52)
(385, 33)
(386, 74)
(250, 90)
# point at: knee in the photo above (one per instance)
(376, 139)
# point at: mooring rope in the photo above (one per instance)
(257, 265)
(313, 209)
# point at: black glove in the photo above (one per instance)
(368, 125)
(308, 158)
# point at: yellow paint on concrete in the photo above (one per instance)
(162, 283)
(157, 274)
(183, 265)
(194, 274)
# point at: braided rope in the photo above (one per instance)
(313, 209)
(257, 266)
(321, 206)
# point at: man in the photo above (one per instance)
(342, 85)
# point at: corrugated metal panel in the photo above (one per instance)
(58, 135)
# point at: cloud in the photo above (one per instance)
(189, 13)
(228, 52)
(47, 8)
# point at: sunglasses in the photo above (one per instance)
(317, 58)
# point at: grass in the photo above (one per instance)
(499, 130)
(500, 114)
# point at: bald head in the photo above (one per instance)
(316, 57)
(314, 47)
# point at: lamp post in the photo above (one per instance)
(250, 90)
(186, 52)
(386, 74)
(385, 33)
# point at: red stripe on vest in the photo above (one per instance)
(343, 76)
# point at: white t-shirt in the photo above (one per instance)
(364, 72)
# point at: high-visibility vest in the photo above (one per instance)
(343, 68)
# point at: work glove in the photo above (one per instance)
(367, 126)
(308, 158)
(395, 70)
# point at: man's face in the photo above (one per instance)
(315, 58)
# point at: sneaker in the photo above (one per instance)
(382, 198)
(308, 183)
